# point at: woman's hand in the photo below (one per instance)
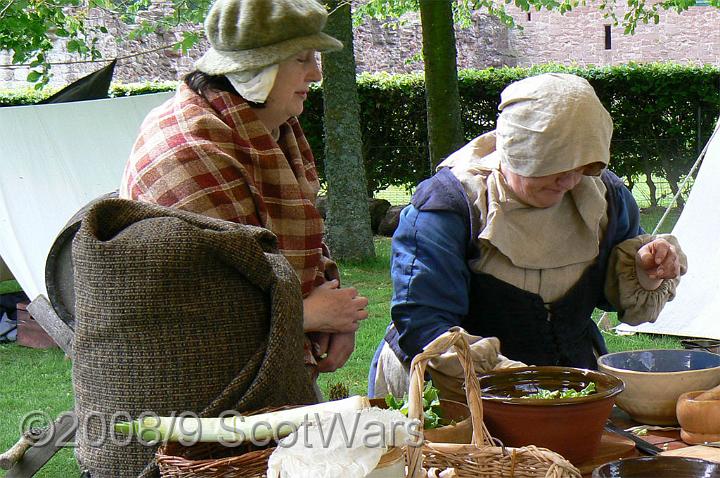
(333, 310)
(655, 261)
(339, 349)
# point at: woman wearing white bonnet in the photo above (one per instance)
(520, 235)
(229, 145)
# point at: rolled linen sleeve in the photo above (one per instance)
(430, 276)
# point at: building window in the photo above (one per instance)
(608, 37)
(528, 16)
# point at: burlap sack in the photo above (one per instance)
(177, 312)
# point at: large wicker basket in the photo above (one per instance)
(482, 458)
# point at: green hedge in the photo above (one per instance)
(663, 114)
(29, 95)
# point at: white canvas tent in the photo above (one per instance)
(695, 312)
(54, 159)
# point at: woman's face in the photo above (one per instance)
(543, 191)
(292, 84)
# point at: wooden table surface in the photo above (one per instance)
(667, 440)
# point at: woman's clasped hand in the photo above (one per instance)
(332, 309)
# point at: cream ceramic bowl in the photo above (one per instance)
(655, 379)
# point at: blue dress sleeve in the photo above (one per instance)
(430, 276)
(627, 213)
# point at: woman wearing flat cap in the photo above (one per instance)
(520, 235)
(229, 145)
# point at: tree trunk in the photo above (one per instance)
(445, 131)
(651, 185)
(673, 179)
(348, 232)
(630, 182)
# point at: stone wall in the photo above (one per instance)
(692, 36)
(398, 50)
(577, 37)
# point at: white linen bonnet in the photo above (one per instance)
(552, 123)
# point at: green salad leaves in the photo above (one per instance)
(431, 406)
(567, 393)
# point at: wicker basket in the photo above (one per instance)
(481, 458)
(206, 460)
(214, 460)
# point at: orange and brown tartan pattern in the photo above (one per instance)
(211, 155)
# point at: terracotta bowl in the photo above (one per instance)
(699, 419)
(460, 432)
(655, 379)
(658, 467)
(572, 427)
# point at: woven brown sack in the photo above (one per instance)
(177, 312)
(480, 459)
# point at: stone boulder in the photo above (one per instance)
(378, 209)
(321, 204)
(390, 222)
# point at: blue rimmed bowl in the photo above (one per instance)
(654, 380)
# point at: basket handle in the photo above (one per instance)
(455, 337)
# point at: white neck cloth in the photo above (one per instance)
(530, 237)
(254, 85)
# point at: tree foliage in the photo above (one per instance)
(30, 29)
(629, 15)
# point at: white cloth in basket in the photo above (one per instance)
(347, 445)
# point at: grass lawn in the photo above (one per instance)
(40, 380)
(34, 381)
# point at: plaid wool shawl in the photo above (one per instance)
(211, 155)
